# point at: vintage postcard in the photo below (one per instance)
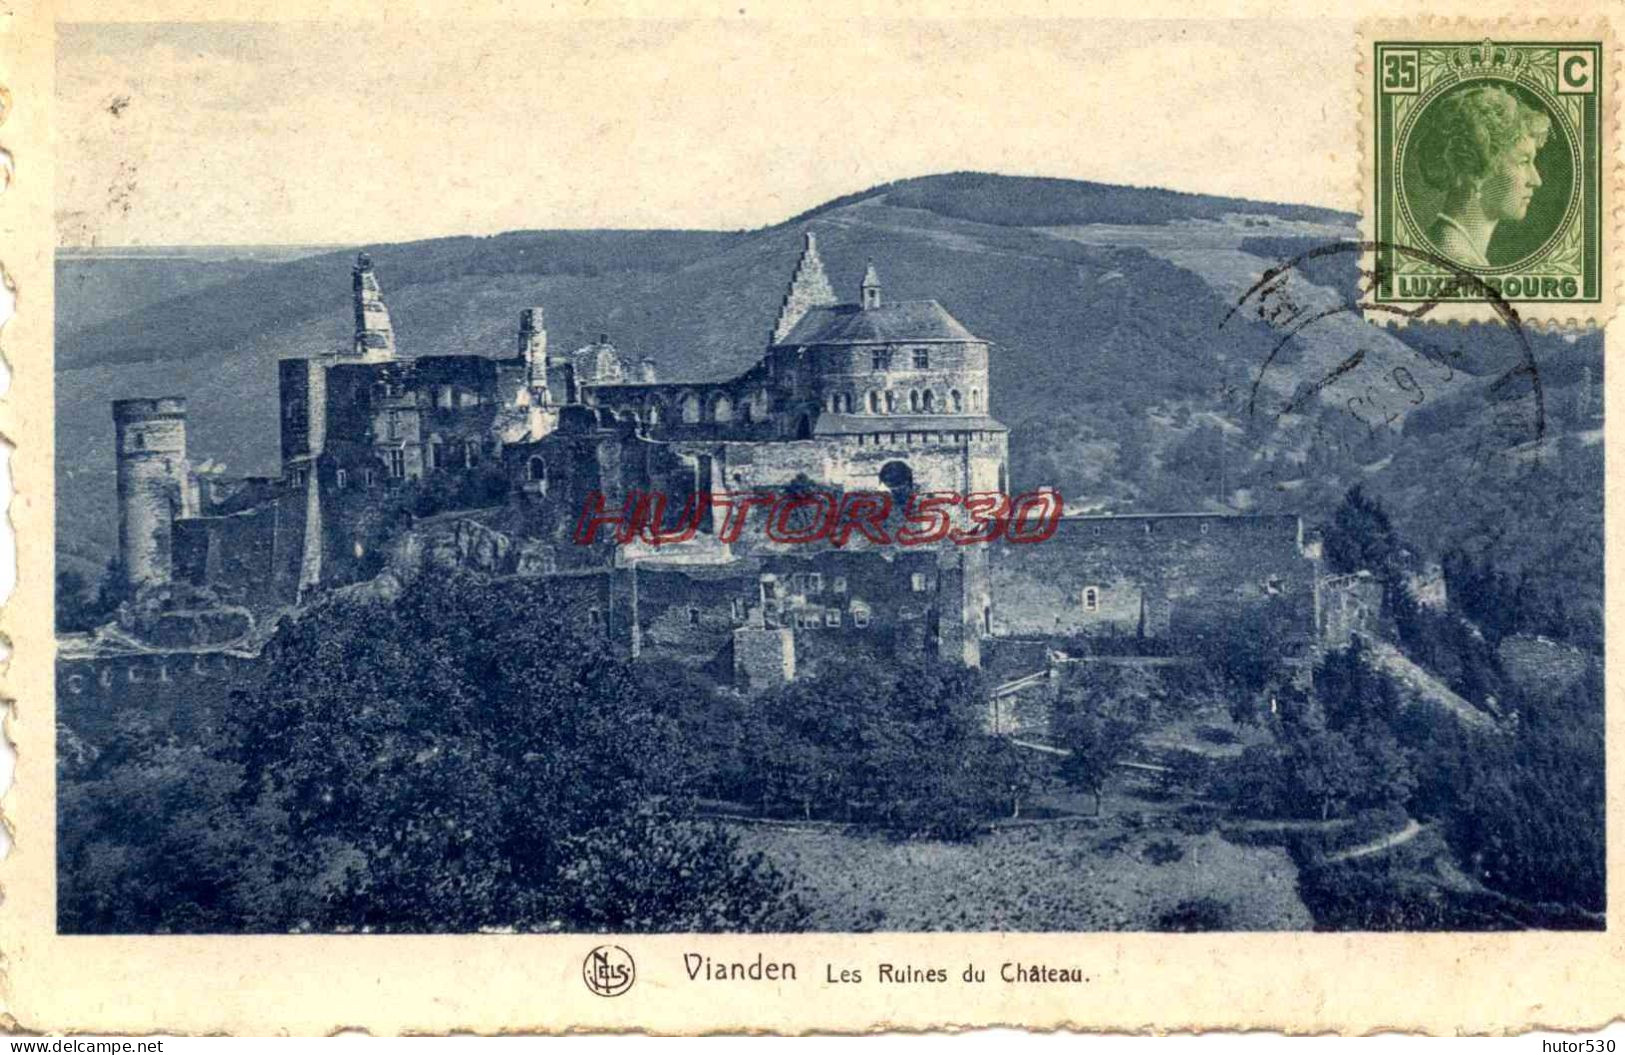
(811, 519)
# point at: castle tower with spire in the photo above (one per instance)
(374, 335)
(809, 288)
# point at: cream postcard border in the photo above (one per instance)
(1296, 982)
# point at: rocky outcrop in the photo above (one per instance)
(179, 615)
(473, 546)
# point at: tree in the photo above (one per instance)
(1134, 450)
(902, 747)
(78, 610)
(463, 758)
(74, 606)
(1325, 767)
(1096, 742)
(1361, 536)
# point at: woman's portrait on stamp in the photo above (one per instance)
(1479, 150)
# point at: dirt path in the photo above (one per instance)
(1411, 830)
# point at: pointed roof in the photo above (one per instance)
(809, 288)
(901, 322)
(871, 277)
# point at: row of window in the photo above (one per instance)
(916, 401)
(465, 456)
(915, 439)
(691, 411)
(813, 582)
(881, 359)
(803, 618)
(446, 397)
(815, 617)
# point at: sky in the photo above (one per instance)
(310, 133)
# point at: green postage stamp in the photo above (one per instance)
(1487, 158)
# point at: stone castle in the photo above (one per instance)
(392, 461)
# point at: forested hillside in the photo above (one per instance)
(1125, 378)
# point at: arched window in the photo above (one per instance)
(914, 401)
(1091, 598)
(690, 406)
(536, 469)
(976, 399)
(804, 429)
(874, 402)
(929, 402)
(891, 402)
(956, 401)
(471, 453)
(897, 478)
(722, 410)
(860, 614)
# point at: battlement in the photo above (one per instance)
(129, 410)
(1281, 527)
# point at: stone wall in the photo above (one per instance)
(844, 378)
(763, 657)
(837, 604)
(251, 557)
(1175, 578)
(1349, 604)
(935, 461)
(179, 691)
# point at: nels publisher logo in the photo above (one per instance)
(608, 970)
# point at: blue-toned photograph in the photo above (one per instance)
(962, 552)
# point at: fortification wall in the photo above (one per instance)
(251, 557)
(186, 692)
(1185, 576)
(935, 461)
(837, 603)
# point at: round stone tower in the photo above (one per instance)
(150, 438)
